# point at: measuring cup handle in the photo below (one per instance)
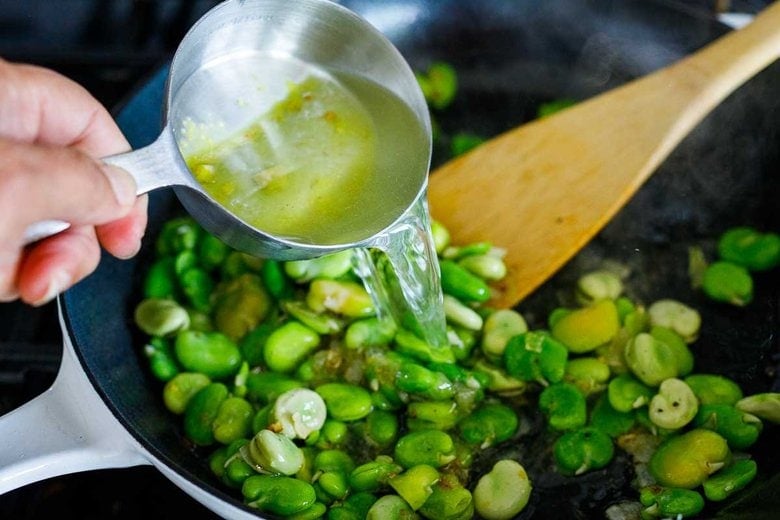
(66, 429)
(153, 166)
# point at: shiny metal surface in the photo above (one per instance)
(237, 32)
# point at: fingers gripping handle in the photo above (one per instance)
(153, 167)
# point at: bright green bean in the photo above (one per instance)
(209, 353)
(278, 495)
(535, 356)
(201, 411)
(728, 283)
(686, 460)
(415, 484)
(431, 447)
(750, 248)
(374, 475)
(740, 429)
(626, 393)
(714, 389)
(730, 479)
(660, 502)
(579, 451)
(390, 507)
(449, 501)
(342, 297)
(180, 389)
(489, 424)
(585, 329)
(233, 420)
(503, 492)
(288, 346)
(564, 405)
(764, 406)
(345, 402)
(460, 283)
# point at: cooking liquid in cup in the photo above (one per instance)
(331, 159)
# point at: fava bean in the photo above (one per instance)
(750, 248)
(334, 265)
(626, 393)
(610, 421)
(319, 322)
(355, 507)
(270, 452)
(564, 405)
(345, 402)
(677, 316)
(460, 283)
(501, 326)
(713, 389)
(439, 85)
(390, 507)
(265, 387)
(317, 510)
(407, 343)
(369, 332)
(463, 142)
(381, 428)
(489, 424)
(764, 406)
(686, 460)
(180, 389)
(599, 285)
(728, 283)
(345, 298)
(660, 502)
(441, 236)
(240, 305)
(161, 317)
(160, 281)
(583, 330)
(333, 460)
(177, 235)
(650, 359)
(210, 353)
(740, 429)
(582, 450)
(233, 420)
(334, 484)
(449, 501)
(432, 415)
(682, 354)
(162, 362)
(278, 495)
(432, 447)
(288, 346)
(415, 484)
(488, 267)
(417, 379)
(503, 492)
(475, 248)
(333, 433)
(730, 479)
(184, 260)
(374, 475)
(274, 279)
(589, 374)
(299, 412)
(459, 314)
(197, 285)
(253, 343)
(201, 411)
(535, 356)
(674, 405)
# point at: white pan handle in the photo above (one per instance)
(66, 429)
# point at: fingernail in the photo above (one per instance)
(122, 183)
(59, 281)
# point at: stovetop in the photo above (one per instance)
(109, 46)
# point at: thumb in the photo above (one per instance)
(40, 182)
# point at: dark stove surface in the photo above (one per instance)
(109, 46)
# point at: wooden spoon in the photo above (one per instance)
(544, 189)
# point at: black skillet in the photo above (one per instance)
(511, 55)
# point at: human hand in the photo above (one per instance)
(51, 133)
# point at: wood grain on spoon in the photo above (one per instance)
(543, 190)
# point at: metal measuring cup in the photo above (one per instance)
(318, 32)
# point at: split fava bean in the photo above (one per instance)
(499, 327)
(487, 266)
(678, 347)
(180, 389)
(582, 450)
(432, 415)
(583, 330)
(369, 332)
(345, 298)
(390, 507)
(381, 428)
(651, 360)
(599, 285)
(503, 492)
(415, 484)
(373, 475)
(535, 356)
(345, 402)
(460, 314)
(610, 421)
(686, 460)
(740, 429)
(589, 374)
(161, 317)
(764, 406)
(730, 479)
(278, 495)
(677, 316)
(299, 412)
(660, 502)
(449, 501)
(274, 453)
(674, 405)
(210, 353)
